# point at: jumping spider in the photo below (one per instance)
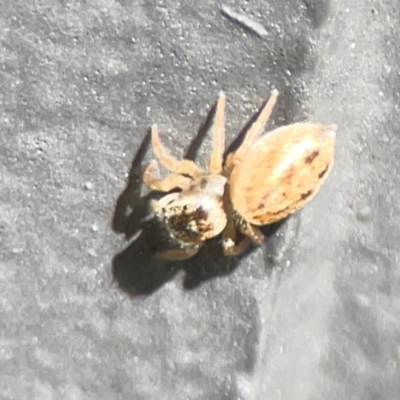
(266, 179)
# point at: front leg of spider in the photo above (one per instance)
(186, 252)
(229, 235)
(182, 167)
(229, 246)
(172, 181)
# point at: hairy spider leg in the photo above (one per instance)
(252, 234)
(170, 182)
(255, 131)
(178, 254)
(182, 167)
(229, 245)
(218, 140)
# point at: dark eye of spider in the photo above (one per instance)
(185, 207)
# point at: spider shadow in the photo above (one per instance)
(138, 272)
(135, 269)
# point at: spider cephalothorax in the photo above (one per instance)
(266, 179)
(195, 214)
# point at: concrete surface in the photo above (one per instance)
(85, 314)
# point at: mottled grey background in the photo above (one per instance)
(85, 314)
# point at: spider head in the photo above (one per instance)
(196, 214)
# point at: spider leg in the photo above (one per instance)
(178, 254)
(252, 232)
(185, 167)
(218, 141)
(229, 245)
(172, 181)
(255, 131)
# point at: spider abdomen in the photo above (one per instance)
(282, 171)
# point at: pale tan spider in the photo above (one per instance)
(263, 181)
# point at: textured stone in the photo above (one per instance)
(313, 314)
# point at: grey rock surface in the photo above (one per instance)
(85, 314)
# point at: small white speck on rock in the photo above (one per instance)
(92, 252)
(88, 185)
(95, 228)
(364, 214)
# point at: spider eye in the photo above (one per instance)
(185, 207)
